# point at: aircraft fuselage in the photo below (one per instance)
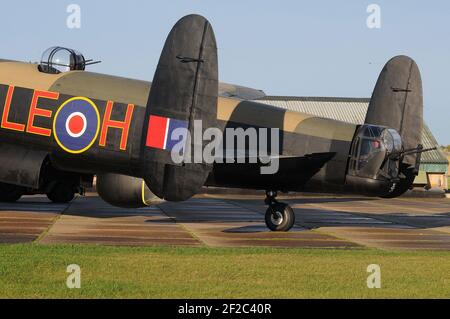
(32, 106)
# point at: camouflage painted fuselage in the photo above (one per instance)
(314, 151)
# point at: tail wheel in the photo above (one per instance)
(10, 193)
(280, 217)
(61, 193)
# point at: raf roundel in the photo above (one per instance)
(76, 125)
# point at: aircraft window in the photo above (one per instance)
(369, 147)
(392, 140)
(369, 150)
(372, 131)
(57, 60)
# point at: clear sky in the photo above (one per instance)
(302, 48)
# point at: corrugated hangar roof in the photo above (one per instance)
(351, 110)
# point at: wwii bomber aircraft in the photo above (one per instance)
(61, 125)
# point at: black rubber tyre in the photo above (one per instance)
(62, 193)
(280, 217)
(10, 193)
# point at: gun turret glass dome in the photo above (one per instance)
(57, 60)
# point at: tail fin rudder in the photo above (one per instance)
(397, 102)
(184, 89)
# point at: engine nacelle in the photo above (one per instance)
(125, 191)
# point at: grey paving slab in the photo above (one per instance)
(233, 221)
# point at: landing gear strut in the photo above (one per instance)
(279, 216)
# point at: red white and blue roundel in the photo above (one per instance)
(76, 125)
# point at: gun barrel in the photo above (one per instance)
(418, 150)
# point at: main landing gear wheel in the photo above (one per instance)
(10, 193)
(279, 216)
(61, 193)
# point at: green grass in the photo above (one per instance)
(39, 271)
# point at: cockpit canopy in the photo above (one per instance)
(57, 60)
